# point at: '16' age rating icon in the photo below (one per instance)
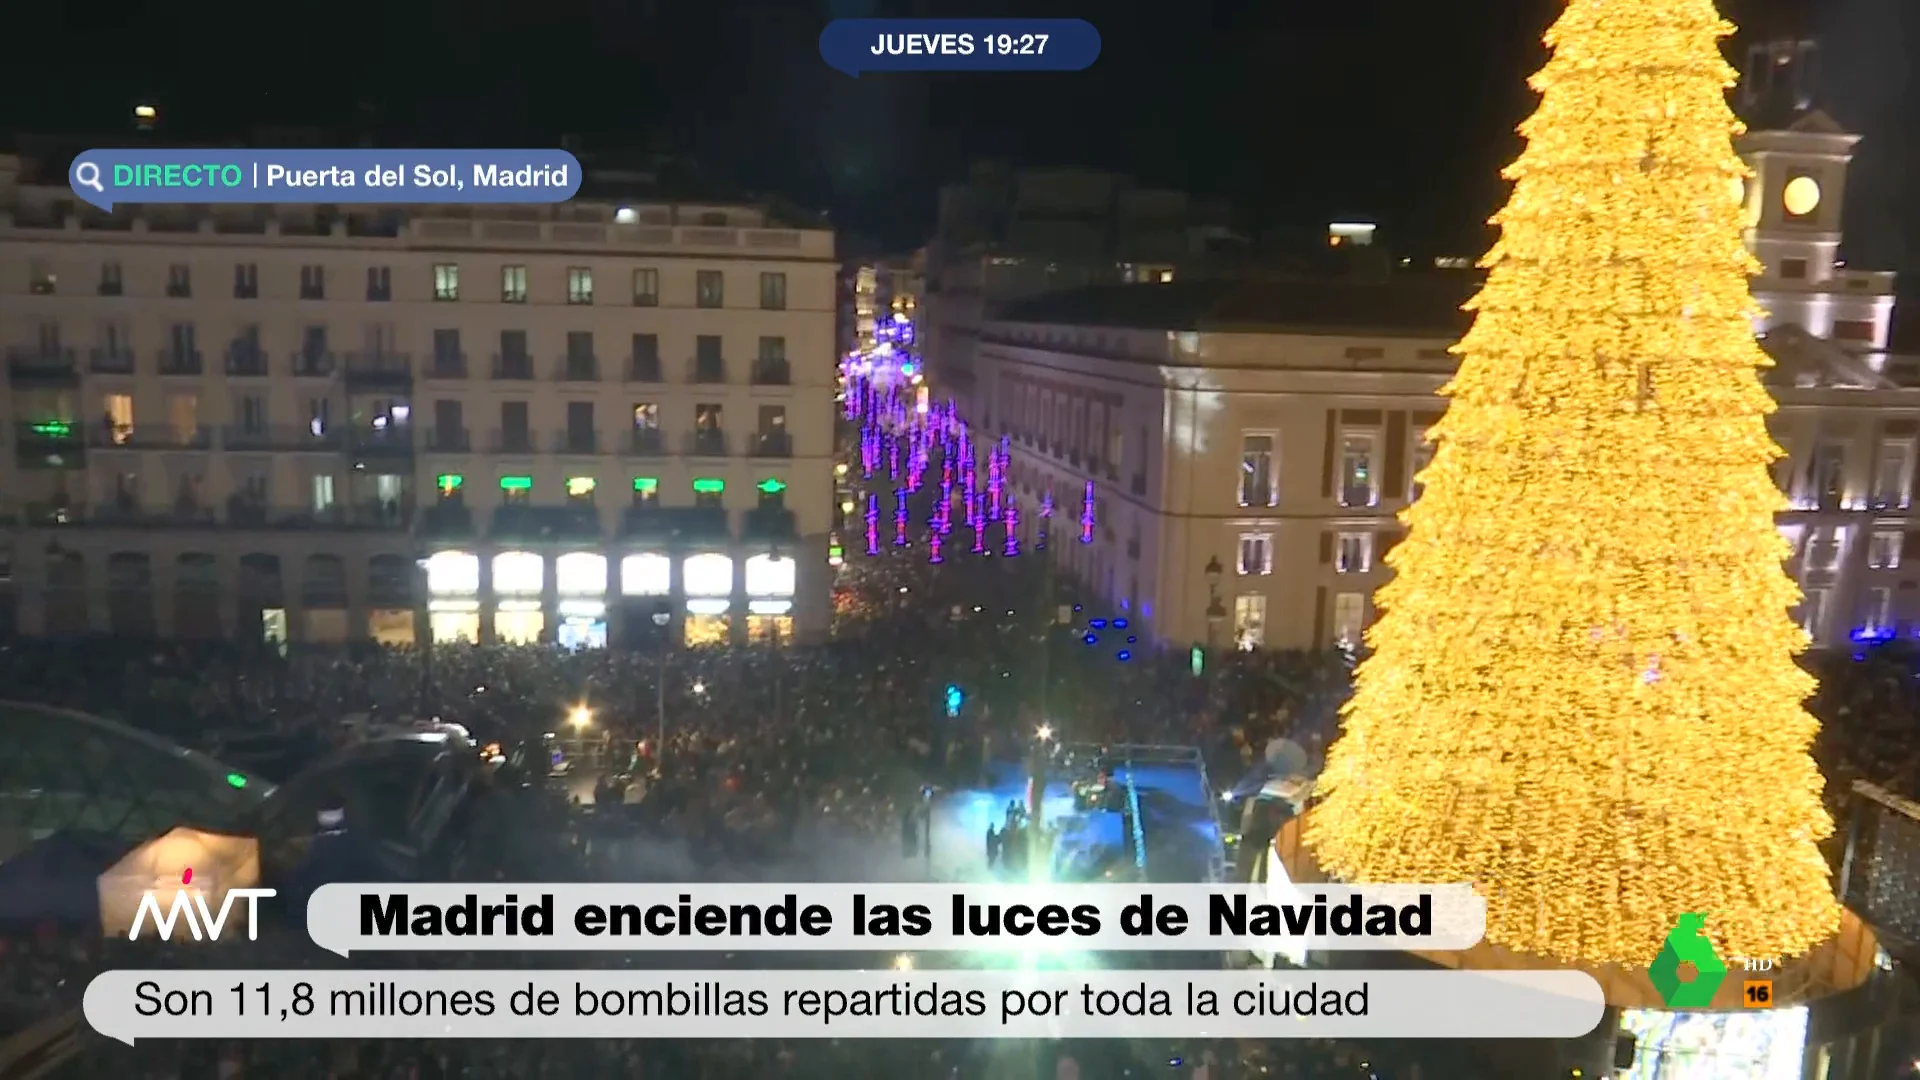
(857, 45)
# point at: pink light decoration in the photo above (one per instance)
(1086, 515)
(995, 480)
(979, 526)
(893, 459)
(899, 518)
(873, 524)
(934, 543)
(867, 449)
(1012, 522)
(1046, 505)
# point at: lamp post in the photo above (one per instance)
(1216, 611)
(660, 621)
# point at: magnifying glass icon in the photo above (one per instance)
(87, 174)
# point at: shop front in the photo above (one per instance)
(580, 578)
(453, 596)
(707, 582)
(771, 582)
(519, 580)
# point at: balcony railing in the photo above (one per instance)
(447, 365)
(643, 368)
(511, 442)
(151, 437)
(288, 438)
(772, 444)
(181, 362)
(379, 368)
(384, 441)
(647, 442)
(709, 443)
(247, 360)
(706, 370)
(40, 362)
(576, 368)
(576, 442)
(514, 366)
(449, 440)
(772, 373)
(110, 361)
(313, 364)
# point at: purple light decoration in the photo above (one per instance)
(979, 524)
(867, 451)
(971, 499)
(899, 518)
(933, 549)
(893, 459)
(1012, 522)
(995, 480)
(873, 524)
(943, 513)
(1046, 505)
(1086, 515)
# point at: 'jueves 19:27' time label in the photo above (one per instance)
(857, 45)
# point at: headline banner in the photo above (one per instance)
(938, 918)
(413, 1004)
(107, 177)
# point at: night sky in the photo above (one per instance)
(1397, 110)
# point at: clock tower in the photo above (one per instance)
(1799, 157)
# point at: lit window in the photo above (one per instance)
(646, 491)
(579, 285)
(1892, 476)
(1249, 621)
(513, 284)
(709, 493)
(1358, 485)
(1256, 553)
(1349, 619)
(516, 490)
(1259, 481)
(446, 281)
(1823, 551)
(1883, 551)
(709, 289)
(1878, 616)
(449, 486)
(580, 488)
(1353, 554)
(1813, 612)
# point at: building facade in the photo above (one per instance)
(593, 421)
(1250, 444)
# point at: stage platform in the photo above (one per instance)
(1178, 839)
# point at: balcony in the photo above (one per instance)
(446, 521)
(675, 525)
(246, 359)
(394, 440)
(711, 443)
(52, 444)
(576, 442)
(110, 361)
(577, 368)
(32, 365)
(449, 441)
(186, 362)
(575, 522)
(279, 438)
(771, 444)
(706, 371)
(772, 373)
(769, 523)
(513, 366)
(510, 442)
(647, 442)
(643, 368)
(151, 437)
(364, 514)
(378, 371)
(313, 364)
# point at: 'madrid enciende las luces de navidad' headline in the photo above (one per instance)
(1226, 914)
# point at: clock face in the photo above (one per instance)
(1802, 196)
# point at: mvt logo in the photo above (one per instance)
(191, 904)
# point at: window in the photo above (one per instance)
(118, 409)
(1824, 548)
(1813, 612)
(579, 285)
(1358, 485)
(1828, 475)
(112, 283)
(1249, 621)
(1259, 482)
(1892, 475)
(250, 411)
(1793, 269)
(1256, 553)
(1353, 553)
(646, 287)
(515, 435)
(646, 416)
(183, 415)
(580, 490)
(379, 283)
(319, 416)
(513, 284)
(709, 289)
(646, 491)
(313, 282)
(1883, 550)
(773, 494)
(322, 491)
(1349, 619)
(1877, 618)
(709, 493)
(446, 281)
(448, 361)
(1422, 457)
(580, 433)
(246, 281)
(1854, 330)
(179, 280)
(448, 485)
(516, 490)
(773, 292)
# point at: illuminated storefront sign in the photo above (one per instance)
(771, 576)
(707, 576)
(581, 573)
(518, 573)
(453, 573)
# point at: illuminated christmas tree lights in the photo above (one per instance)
(873, 524)
(1087, 521)
(1600, 506)
(1011, 522)
(900, 518)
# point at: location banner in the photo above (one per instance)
(108, 177)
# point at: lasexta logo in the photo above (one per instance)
(1687, 944)
(191, 904)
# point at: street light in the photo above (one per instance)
(581, 717)
(1216, 611)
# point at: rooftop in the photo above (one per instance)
(1425, 305)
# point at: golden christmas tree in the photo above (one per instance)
(1582, 696)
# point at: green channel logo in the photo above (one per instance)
(1687, 944)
